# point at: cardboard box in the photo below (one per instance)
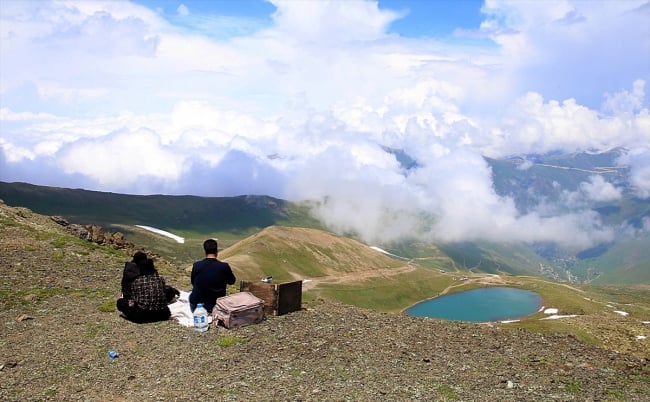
(279, 298)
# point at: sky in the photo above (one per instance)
(305, 99)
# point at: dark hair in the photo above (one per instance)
(210, 246)
(147, 267)
(139, 257)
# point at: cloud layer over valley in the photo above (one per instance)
(324, 102)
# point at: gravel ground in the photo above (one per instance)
(55, 339)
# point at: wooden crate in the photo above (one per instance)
(279, 298)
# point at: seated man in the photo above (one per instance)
(209, 277)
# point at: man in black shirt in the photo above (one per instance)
(209, 278)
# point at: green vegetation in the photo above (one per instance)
(243, 215)
(229, 340)
(615, 395)
(626, 262)
(447, 392)
(60, 241)
(25, 297)
(390, 293)
(57, 255)
(494, 258)
(108, 306)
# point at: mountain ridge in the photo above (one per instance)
(231, 219)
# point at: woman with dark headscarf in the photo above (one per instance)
(144, 293)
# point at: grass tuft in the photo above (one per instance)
(107, 307)
(229, 340)
(447, 392)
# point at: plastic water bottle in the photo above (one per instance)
(200, 318)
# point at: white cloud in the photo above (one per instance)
(332, 21)
(624, 101)
(120, 158)
(560, 48)
(598, 189)
(183, 10)
(638, 160)
(111, 96)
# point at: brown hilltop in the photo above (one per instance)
(304, 253)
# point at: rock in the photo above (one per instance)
(60, 220)
(30, 298)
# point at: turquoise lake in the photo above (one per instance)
(480, 305)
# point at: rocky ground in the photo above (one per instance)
(58, 323)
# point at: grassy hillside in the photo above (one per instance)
(334, 269)
(284, 253)
(229, 219)
(547, 178)
(626, 262)
(493, 258)
(233, 219)
(184, 215)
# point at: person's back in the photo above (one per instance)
(132, 271)
(210, 277)
(148, 291)
(144, 296)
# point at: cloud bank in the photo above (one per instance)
(112, 96)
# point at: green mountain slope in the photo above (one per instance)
(233, 219)
(513, 259)
(241, 215)
(537, 179)
(625, 262)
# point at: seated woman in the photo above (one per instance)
(144, 293)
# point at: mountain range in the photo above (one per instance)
(528, 180)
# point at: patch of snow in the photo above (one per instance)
(162, 232)
(640, 337)
(387, 253)
(555, 317)
(306, 280)
(645, 322)
(508, 321)
(551, 311)
(623, 313)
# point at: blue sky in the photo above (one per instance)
(435, 18)
(301, 100)
(439, 18)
